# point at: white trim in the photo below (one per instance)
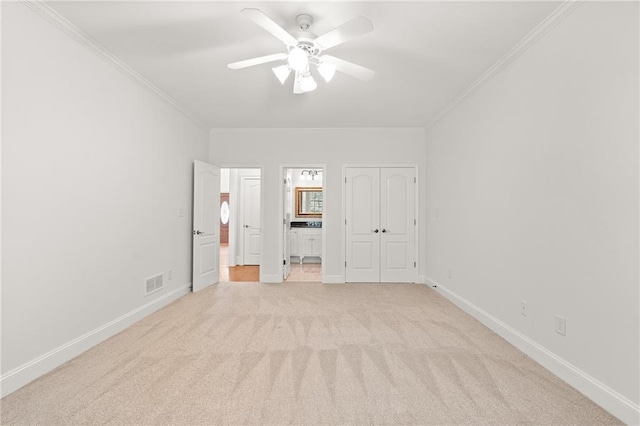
(422, 279)
(20, 376)
(270, 278)
(557, 16)
(431, 283)
(618, 405)
(50, 15)
(333, 279)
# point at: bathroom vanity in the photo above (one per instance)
(306, 240)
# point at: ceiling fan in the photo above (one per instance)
(305, 52)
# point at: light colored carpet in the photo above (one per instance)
(303, 353)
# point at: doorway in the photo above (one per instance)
(240, 205)
(303, 219)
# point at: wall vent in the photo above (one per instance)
(153, 284)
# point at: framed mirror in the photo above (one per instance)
(308, 201)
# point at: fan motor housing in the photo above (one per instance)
(304, 21)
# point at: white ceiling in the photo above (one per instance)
(424, 55)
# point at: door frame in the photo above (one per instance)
(281, 196)
(262, 189)
(343, 233)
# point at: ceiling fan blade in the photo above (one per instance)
(350, 29)
(350, 68)
(268, 24)
(257, 61)
(296, 84)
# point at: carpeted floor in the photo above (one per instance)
(303, 353)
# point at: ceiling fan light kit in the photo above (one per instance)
(304, 52)
(282, 72)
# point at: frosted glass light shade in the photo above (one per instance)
(282, 72)
(307, 83)
(327, 71)
(298, 59)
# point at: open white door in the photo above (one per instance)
(251, 220)
(206, 222)
(286, 198)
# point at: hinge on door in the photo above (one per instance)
(414, 222)
(414, 264)
(345, 180)
(345, 222)
(345, 263)
(284, 261)
(414, 180)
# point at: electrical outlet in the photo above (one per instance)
(561, 325)
(524, 310)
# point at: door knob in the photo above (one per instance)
(384, 231)
(376, 231)
(197, 232)
(246, 226)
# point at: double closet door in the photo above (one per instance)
(380, 224)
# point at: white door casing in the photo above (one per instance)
(206, 219)
(380, 224)
(251, 220)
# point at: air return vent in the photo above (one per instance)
(153, 284)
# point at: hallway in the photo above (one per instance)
(248, 273)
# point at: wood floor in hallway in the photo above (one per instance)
(243, 273)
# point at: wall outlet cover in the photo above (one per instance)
(561, 325)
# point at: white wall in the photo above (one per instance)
(272, 148)
(532, 194)
(94, 170)
(224, 180)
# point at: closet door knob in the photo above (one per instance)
(376, 231)
(384, 231)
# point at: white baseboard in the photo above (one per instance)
(618, 405)
(431, 283)
(333, 279)
(422, 279)
(271, 278)
(20, 376)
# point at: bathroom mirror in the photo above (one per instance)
(308, 201)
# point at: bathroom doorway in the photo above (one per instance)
(303, 233)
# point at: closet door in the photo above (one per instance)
(380, 224)
(397, 223)
(362, 213)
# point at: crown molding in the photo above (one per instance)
(49, 14)
(557, 16)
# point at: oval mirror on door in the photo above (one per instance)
(224, 213)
